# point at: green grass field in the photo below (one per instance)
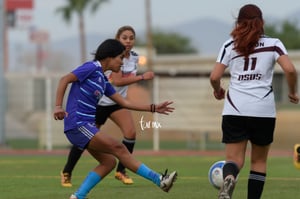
(37, 177)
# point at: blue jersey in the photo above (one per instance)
(85, 94)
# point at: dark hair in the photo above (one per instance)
(109, 48)
(248, 29)
(122, 29)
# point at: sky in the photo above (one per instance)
(116, 13)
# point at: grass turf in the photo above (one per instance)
(37, 176)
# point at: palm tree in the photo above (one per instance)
(78, 7)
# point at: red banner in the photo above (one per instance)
(11, 5)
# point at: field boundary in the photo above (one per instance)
(274, 153)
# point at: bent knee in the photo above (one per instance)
(113, 162)
(119, 149)
(110, 162)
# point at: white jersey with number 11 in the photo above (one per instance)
(250, 92)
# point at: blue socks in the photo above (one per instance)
(93, 178)
(149, 174)
(90, 181)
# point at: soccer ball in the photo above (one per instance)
(215, 174)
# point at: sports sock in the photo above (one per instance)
(256, 183)
(230, 168)
(89, 182)
(129, 143)
(149, 174)
(73, 157)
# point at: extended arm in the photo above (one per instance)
(119, 80)
(162, 108)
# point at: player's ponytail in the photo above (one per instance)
(248, 29)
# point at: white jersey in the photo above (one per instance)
(250, 91)
(128, 68)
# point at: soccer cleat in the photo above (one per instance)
(65, 179)
(123, 178)
(167, 180)
(227, 188)
(74, 197)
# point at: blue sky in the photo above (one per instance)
(164, 13)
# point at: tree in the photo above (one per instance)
(288, 32)
(171, 43)
(78, 7)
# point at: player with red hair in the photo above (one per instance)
(249, 112)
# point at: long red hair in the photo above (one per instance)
(248, 29)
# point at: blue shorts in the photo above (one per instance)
(81, 136)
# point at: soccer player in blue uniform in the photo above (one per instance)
(107, 108)
(249, 109)
(89, 84)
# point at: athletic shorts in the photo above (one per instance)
(258, 130)
(103, 112)
(81, 136)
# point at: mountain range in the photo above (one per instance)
(206, 35)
